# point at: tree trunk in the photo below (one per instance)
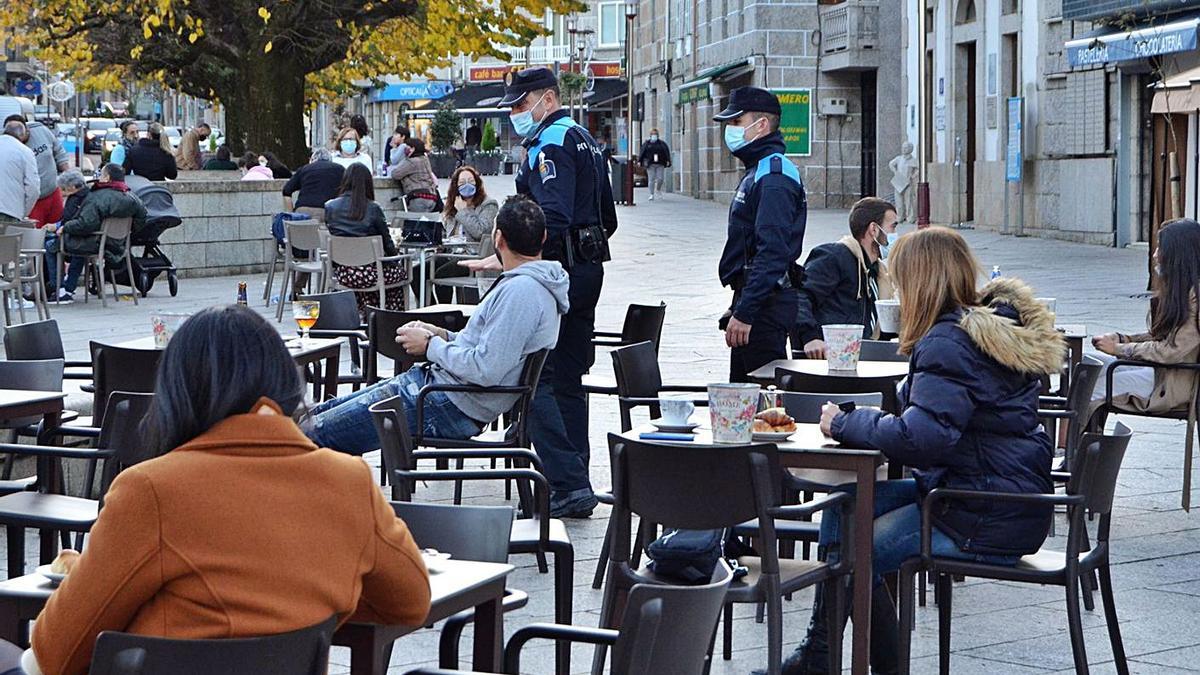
(265, 112)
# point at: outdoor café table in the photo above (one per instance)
(305, 352)
(18, 403)
(1075, 335)
(893, 371)
(808, 448)
(461, 585)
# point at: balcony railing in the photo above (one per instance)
(538, 53)
(852, 25)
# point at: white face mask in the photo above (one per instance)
(653, 137)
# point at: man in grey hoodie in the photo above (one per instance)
(518, 317)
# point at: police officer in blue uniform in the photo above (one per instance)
(566, 174)
(766, 234)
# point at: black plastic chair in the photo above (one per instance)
(1073, 408)
(44, 375)
(479, 533)
(790, 380)
(339, 319)
(39, 341)
(721, 487)
(639, 384)
(381, 337)
(881, 350)
(300, 652)
(120, 445)
(1090, 488)
(643, 323)
(805, 407)
(539, 534)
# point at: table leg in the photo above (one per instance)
(424, 280)
(864, 535)
(489, 635)
(10, 621)
(331, 374)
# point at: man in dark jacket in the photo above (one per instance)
(317, 182)
(766, 234)
(655, 157)
(109, 198)
(843, 280)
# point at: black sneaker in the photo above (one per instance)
(576, 504)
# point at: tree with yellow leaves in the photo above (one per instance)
(265, 60)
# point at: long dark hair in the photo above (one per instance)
(417, 145)
(218, 364)
(1179, 279)
(451, 210)
(360, 187)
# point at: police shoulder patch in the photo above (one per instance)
(546, 168)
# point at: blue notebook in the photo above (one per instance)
(663, 436)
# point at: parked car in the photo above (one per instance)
(112, 138)
(175, 134)
(94, 130)
(67, 135)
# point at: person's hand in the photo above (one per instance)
(51, 228)
(828, 412)
(460, 204)
(737, 334)
(488, 264)
(436, 330)
(415, 341)
(815, 349)
(1106, 343)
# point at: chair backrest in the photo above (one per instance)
(479, 533)
(806, 407)
(395, 442)
(300, 652)
(667, 629)
(116, 228)
(33, 341)
(1084, 376)
(518, 416)
(636, 369)
(881, 350)
(381, 335)
(644, 322)
(692, 487)
(120, 369)
(123, 433)
(10, 254)
(339, 311)
(46, 375)
(32, 238)
(355, 251)
(790, 380)
(303, 236)
(1097, 465)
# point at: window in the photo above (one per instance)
(612, 24)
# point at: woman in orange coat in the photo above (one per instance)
(241, 526)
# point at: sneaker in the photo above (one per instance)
(21, 303)
(574, 504)
(651, 197)
(64, 298)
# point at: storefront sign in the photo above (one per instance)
(694, 93)
(1014, 160)
(796, 121)
(1139, 44)
(412, 91)
(496, 73)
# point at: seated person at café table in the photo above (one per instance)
(1174, 335)
(843, 280)
(470, 215)
(355, 214)
(317, 182)
(518, 317)
(969, 421)
(240, 526)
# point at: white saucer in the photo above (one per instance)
(675, 428)
(54, 577)
(435, 561)
(772, 435)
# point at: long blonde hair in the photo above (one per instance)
(158, 133)
(934, 272)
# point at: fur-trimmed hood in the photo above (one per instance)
(1016, 330)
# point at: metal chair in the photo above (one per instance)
(10, 276)
(299, 652)
(118, 230)
(722, 487)
(339, 319)
(365, 252)
(1090, 488)
(304, 237)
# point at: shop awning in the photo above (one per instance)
(605, 91)
(473, 100)
(411, 91)
(696, 89)
(1178, 93)
(1112, 45)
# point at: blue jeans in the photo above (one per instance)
(74, 266)
(345, 424)
(898, 530)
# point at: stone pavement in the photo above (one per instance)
(667, 251)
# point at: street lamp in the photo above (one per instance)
(631, 11)
(572, 29)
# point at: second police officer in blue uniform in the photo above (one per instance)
(566, 174)
(766, 234)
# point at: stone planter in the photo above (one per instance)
(443, 165)
(488, 165)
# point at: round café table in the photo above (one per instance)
(814, 376)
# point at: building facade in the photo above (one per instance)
(835, 65)
(1040, 116)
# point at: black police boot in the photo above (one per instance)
(885, 633)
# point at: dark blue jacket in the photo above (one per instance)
(766, 226)
(970, 419)
(567, 176)
(837, 289)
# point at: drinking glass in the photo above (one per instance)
(306, 313)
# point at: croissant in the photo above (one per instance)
(774, 419)
(64, 562)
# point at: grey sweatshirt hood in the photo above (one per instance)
(550, 275)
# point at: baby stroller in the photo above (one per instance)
(161, 215)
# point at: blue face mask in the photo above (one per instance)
(735, 137)
(466, 190)
(348, 147)
(523, 122)
(884, 249)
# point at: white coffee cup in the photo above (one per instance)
(676, 411)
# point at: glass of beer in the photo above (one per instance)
(306, 313)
